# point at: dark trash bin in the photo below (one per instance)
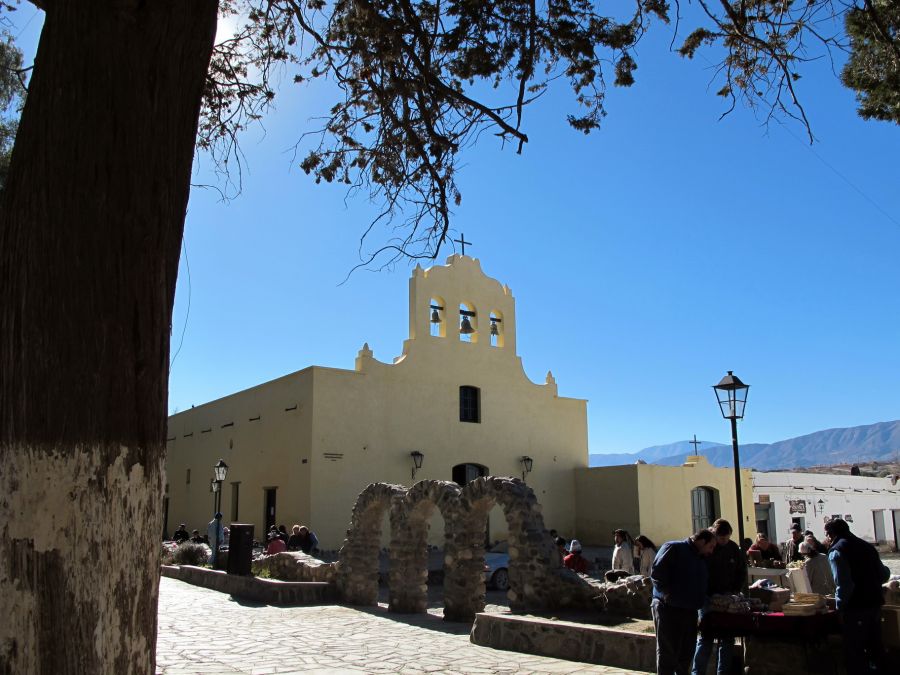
(240, 549)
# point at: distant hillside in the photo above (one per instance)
(655, 454)
(878, 442)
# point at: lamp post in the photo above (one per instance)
(214, 486)
(732, 396)
(220, 470)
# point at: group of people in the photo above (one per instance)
(686, 573)
(182, 535)
(802, 546)
(301, 539)
(634, 556)
(277, 539)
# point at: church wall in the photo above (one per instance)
(376, 417)
(653, 500)
(665, 497)
(606, 499)
(267, 452)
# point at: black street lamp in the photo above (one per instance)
(732, 396)
(220, 470)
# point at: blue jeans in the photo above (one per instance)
(705, 647)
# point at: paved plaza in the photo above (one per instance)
(204, 631)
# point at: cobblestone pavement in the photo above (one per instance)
(204, 631)
(892, 560)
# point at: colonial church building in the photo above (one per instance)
(454, 405)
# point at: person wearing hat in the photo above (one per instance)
(276, 544)
(181, 534)
(575, 561)
(790, 550)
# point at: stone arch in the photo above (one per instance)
(537, 580)
(409, 540)
(357, 570)
(533, 556)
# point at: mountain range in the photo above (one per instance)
(879, 442)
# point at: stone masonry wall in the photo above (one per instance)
(537, 580)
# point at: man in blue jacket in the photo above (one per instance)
(858, 576)
(680, 577)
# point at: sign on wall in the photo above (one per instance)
(797, 505)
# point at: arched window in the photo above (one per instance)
(469, 404)
(496, 329)
(704, 507)
(468, 322)
(437, 317)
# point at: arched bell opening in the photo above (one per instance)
(468, 322)
(437, 310)
(496, 332)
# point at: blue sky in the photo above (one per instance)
(646, 260)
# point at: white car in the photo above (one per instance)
(496, 567)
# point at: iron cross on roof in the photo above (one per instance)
(695, 443)
(462, 242)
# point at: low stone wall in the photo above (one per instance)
(253, 589)
(295, 566)
(566, 640)
(629, 597)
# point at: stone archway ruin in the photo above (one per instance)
(537, 579)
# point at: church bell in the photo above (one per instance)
(435, 317)
(465, 327)
(494, 330)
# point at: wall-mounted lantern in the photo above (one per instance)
(527, 465)
(417, 458)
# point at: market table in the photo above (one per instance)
(813, 627)
(775, 643)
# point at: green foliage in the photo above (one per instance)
(873, 69)
(11, 91)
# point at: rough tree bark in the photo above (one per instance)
(90, 230)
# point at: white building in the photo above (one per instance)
(870, 505)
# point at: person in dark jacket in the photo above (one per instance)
(181, 534)
(680, 579)
(727, 575)
(858, 576)
(303, 539)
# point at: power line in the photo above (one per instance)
(187, 315)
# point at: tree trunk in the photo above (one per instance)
(91, 221)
